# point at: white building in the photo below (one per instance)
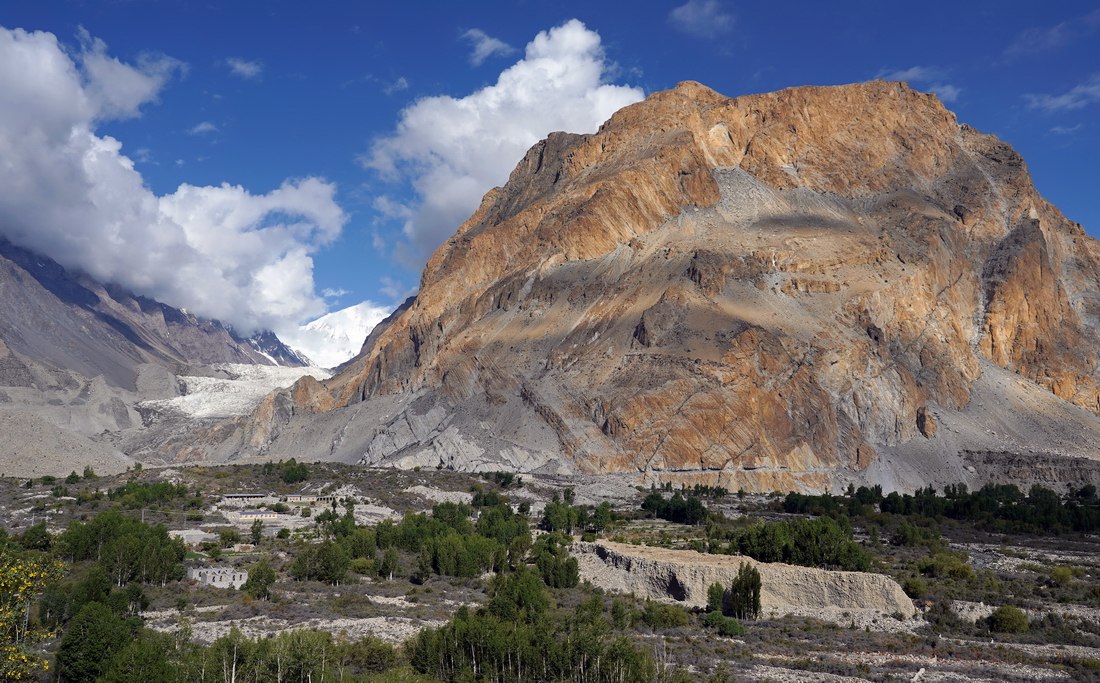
(219, 577)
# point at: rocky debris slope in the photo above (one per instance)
(77, 356)
(790, 290)
(683, 576)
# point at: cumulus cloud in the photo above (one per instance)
(244, 68)
(452, 150)
(701, 18)
(1075, 98)
(925, 78)
(483, 46)
(70, 193)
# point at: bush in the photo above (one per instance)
(724, 625)
(1008, 619)
(915, 588)
(945, 565)
(660, 616)
(363, 566)
(1061, 575)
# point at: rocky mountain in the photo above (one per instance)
(788, 290)
(77, 356)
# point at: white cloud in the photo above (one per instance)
(926, 78)
(1077, 97)
(117, 90)
(70, 193)
(330, 293)
(485, 46)
(1066, 130)
(244, 68)
(1048, 38)
(338, 336)
(701, 18)
(203, 128)
(452, 150)
(400, 84)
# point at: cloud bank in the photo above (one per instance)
(452, 150)
(69, 193)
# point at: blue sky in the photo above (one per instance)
(329, 97)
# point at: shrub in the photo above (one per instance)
(659, 616)
(1061, 575)
(915, 588)
(944, 565)
(362, 566)
(724, 625)
(1008, 619)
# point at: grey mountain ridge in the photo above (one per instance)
(77, 356)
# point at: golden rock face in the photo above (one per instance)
(760, 292)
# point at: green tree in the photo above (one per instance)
(557, 567)
(716, 597)
(260, 579)
(256, 531)
(36, 537)
(293, 472)
(389, 563)
(95, 634)
(142, 660)
(744, 594)
(601, 516)
(229, 537)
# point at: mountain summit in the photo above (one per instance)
(787, 290)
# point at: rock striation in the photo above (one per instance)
(683, 576)
(790, 290)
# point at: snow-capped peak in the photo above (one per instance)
(336, 337)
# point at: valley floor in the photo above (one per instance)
(957, 573)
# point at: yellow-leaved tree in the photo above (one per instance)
(23, 577)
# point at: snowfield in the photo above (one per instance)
(218, 397)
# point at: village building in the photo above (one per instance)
(219, 577)
(243, 499)
(250, 515)
(304, 498)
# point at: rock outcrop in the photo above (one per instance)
(683, 576)
(782, 291)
